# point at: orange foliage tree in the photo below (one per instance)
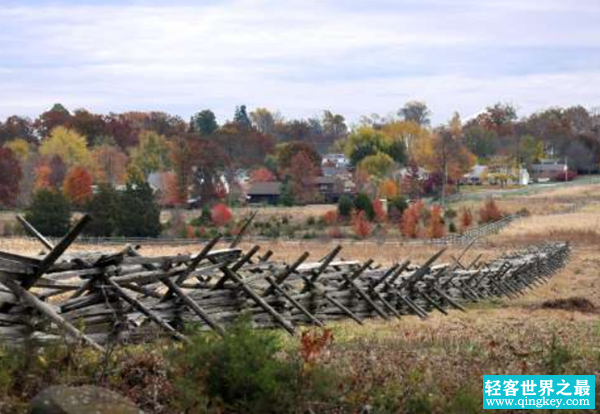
(466, 218)
(220, 214)
(77, 185)
(262, 175)
(331, 217)
(388, 189)
(435, 227)
(409, 224)
(360, 224)
(489, 212)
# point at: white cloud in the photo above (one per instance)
(298, 56)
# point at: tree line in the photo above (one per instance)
(70, 151)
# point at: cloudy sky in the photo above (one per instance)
(298, 56)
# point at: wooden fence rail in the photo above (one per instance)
(97, 297)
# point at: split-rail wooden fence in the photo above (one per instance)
(101, 298)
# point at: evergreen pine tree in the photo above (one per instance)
(139, 212)
(50, 213)
(104, 210)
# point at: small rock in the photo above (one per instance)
(86, 399)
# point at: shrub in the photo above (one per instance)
(489, 212)
(50, 213)
(450, 213)
(466, 218)
(220, 215)
(244, 372)
(360, 224)
(435, 226)
(363, 203)
(345, 206)
(396, 207)
(380, 213)
(409, 224)
(311, 221)
(452, 227)
(331, 218)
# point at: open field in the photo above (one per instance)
(435, 365)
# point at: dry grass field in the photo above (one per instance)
(435, 365)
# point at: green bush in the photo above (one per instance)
(50, 213)
(345, 206)
(396, 206)
(362, 202)
(244, 372)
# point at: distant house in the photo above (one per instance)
(547, 170)
(476, 176)
(264, 192)
(330, 189)
(335, 160)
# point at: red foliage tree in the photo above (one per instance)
(435, 227)
(360, 224)
(78, 186)
(10, 177)
(380, 213)
(220, 214)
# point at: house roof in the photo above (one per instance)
(265, 188)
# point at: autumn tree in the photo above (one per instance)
(285, 152)
(262, 174)
(367, 141)
(21, 149)
(10, 177)
(181, 156)
(57, 116)
(152, 153)
(489, 212)
(220, 215)
(92, 126)
(109, 165)
(465, 218)
(435, 226)
(388, 189)
(444, 153)
(303, 173)
(378, 165)
(415, 111)
(204, 123)
(69, 145)
(77, 186)
(16, 127)
(50, 213)
(265, 121)
(361, 225)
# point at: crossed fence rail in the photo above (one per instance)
(101, 298)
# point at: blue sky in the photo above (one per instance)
(298, 56)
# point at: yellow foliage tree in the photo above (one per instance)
(406, 131)
(70, 146)
(21, 148)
